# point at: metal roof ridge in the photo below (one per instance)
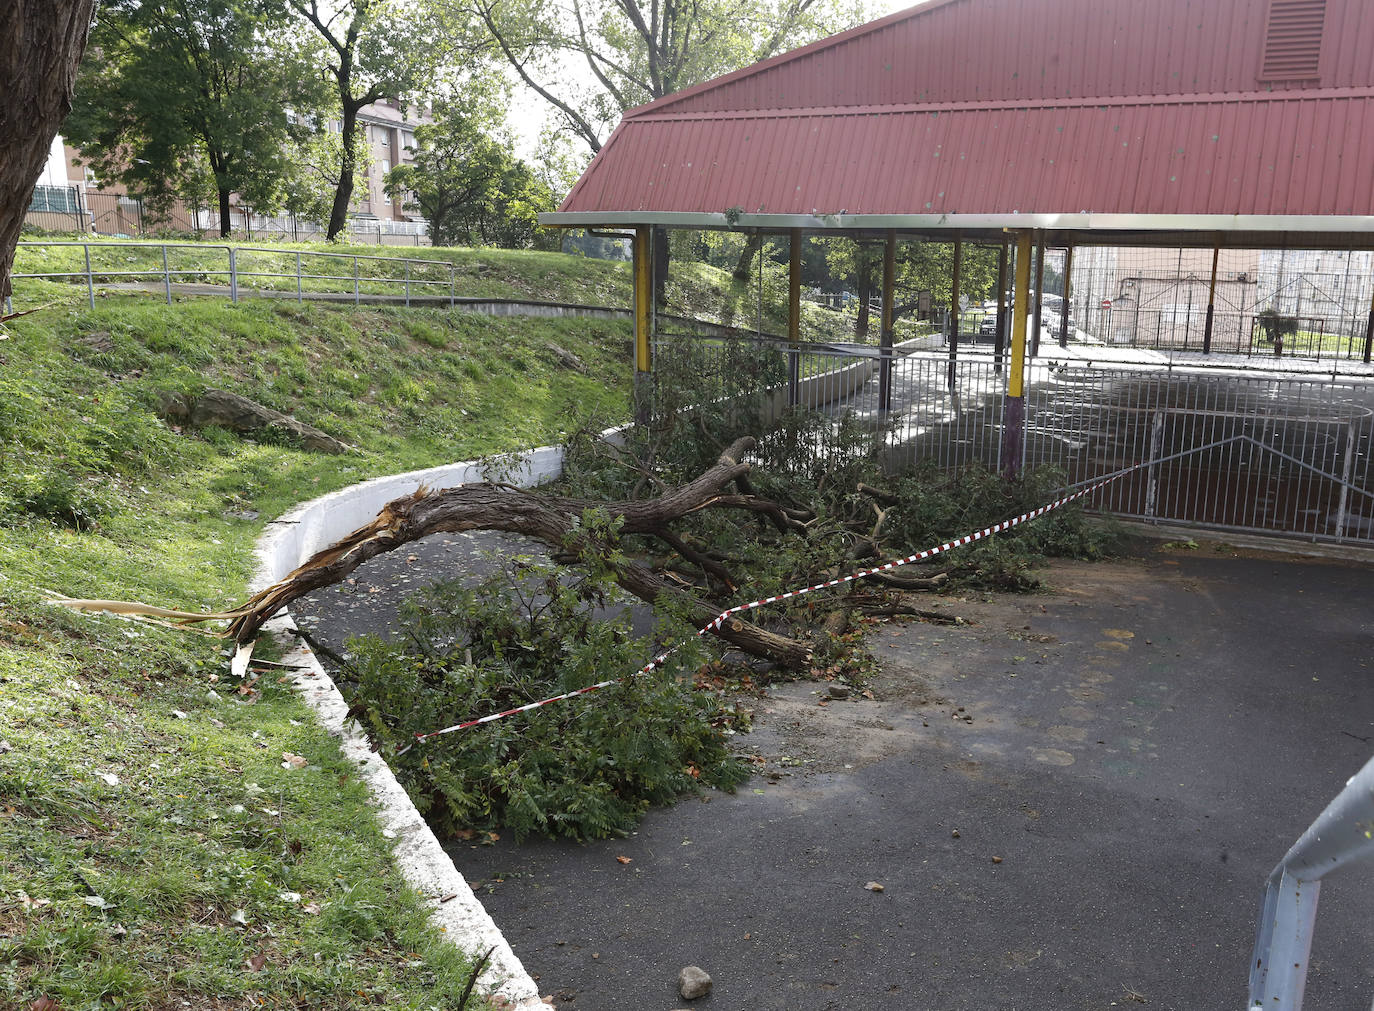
(800, 52)
(989, 105)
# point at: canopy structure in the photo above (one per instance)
(1226, 123)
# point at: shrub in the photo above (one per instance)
(586, 768)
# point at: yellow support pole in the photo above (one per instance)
(1019, 312)
(1014, 403)
(643, 294)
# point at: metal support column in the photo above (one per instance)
(954, 312)
(794, 271)
(1369, 332)
(643, 294)
(1039, 293)
(999, 345)
(1068, 294)
(1014, 403)
(1211, 303)
(885, 333)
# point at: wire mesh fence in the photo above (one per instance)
(1257, 453)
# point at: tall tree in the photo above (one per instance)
(183, 97)
(593, 59)
(41, 42)
(467, 184)
(372, 55)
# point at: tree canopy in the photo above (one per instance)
(186, 99)
(467, 184)
(593, 59)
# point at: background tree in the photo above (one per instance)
(467, 184)
(184, 97)
(593, 59)
(373, 52)
(41, 42)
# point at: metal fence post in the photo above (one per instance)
(1152, 488)
(299, 297)
(452, 285)
(407, 284)
(90, 281)
(233, 275)
(357, 294)
(166, 275)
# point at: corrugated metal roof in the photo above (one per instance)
(1006, 107)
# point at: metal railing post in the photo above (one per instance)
(357, 292)
(1283, 937)
(452, 285)
(90, 281)
(166, 275)
(1156, 438)
(407, 284)
(233, 275)
(299, 297)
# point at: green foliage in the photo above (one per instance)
(189, 101)
(468, 185)
(587, 769)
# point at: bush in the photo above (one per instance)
(586, 768)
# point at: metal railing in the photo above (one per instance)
(356, 274)
(1288, 914)
(1254, 453)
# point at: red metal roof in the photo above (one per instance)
(1018, 107)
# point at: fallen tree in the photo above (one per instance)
(554, 521)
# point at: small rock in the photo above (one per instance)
(693, 982)
(955, 833)
(6, 747)
(837, 691)
(997, 860)
(873, 886)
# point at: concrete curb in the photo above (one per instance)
(286, 543)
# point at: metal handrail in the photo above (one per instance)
(406, 277)
(1283, 940)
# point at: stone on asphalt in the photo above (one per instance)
(693, 982)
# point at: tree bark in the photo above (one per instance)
(343, 192)
(546, 518)
(226, 221)
(41, 43)
(744, 266)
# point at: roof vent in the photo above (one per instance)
(1293, 40)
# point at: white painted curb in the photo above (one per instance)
(287, 542)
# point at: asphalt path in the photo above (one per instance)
(1072, 802)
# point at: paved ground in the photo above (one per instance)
(1138, 747)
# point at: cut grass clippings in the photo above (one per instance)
(159, 848)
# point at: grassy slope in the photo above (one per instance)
(142, 805)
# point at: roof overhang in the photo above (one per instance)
(1237, 230)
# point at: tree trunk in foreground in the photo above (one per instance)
(41, 42)
(550, 520)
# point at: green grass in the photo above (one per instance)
(143, 803)
(474, 273)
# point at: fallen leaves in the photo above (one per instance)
(624, 860)
(292, 761)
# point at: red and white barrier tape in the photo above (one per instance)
(719, 619)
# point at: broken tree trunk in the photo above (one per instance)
(553, 521)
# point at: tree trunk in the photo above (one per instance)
(744, 266)
(549, 519)
(865, 287)
(226, 221)
(41, 42)
(343, 192)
